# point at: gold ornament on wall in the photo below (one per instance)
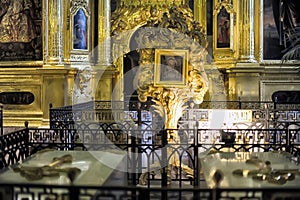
(178, 46)
(174, 37)
(161, 31)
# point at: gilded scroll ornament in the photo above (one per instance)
(166, 28)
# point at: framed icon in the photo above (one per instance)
(171, 68)
(223, 29)
(224, 26)
(80, 31)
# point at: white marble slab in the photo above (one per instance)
(227, 162)
(95, 166)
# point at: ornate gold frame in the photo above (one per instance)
(36, 44)
(74, 11)
(162, 71)
(228, 7)
(260, 46)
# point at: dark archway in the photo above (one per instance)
(130, 63)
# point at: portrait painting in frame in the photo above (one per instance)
(171, 67)
(80, 31)
(280, 27)
(223, 29)
(20, 30)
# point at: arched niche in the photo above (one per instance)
(130, 69)
(128, 23)
(125, 57)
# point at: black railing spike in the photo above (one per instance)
(26, 123)
(240, 103)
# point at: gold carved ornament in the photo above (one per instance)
(175, 33)
(164, 27)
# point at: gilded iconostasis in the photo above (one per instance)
(51, 50)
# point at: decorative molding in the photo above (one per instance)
(268, 87)
(77, 4)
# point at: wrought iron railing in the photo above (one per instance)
(144, 148)
(248, 105)
(270, 115)
(133, 128)
(149, 144)
(34, 191)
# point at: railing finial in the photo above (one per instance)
(26, 123)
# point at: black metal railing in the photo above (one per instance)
(249, 105)
(133, 128)
(145, 148)
(41, 191)
(140, 193)
(141, 114)
(98, 111)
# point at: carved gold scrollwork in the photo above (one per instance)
(169, 27)
(176, 29)
(173, 33)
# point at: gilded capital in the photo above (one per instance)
(151, 2)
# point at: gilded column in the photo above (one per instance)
(200, 12)
(103, 68)
(53, 29)
(246, 27)
(104, 40)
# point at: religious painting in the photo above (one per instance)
(80, 31)
(20, 30)
(280, 22)
(223, 29)
(171, 68)
(272, 46)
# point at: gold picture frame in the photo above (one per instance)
(224, 26)
(170, 68)
(80, 31)
(21, 36)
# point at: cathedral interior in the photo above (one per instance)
(171, 82)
